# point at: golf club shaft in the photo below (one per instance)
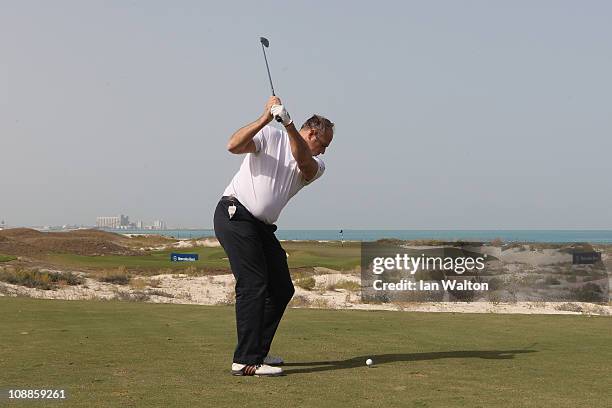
(268, 69)
(263, 48)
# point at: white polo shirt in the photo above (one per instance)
(268, 178)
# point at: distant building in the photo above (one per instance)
(124, 220)
(108, 222)
(159, 225)
(2, 225)
(140, 225)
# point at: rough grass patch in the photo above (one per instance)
(118, 276)
(301, 273)
(351, 286)
(299, 301)
(191, 271)
(494, 297)
(157, 292)
(7, 258)
(319, 303)
(569, 307)
(34, 278)
(155, 283)
(66, 278)
(589, 292)
(137, 296)
(306, 283)
(138, 283)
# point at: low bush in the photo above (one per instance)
(345, 284)
(34, 278)
(157, 292)
(118, 276)
(495, 284)
(132, 297)
(299, 301)
(569, 307)
(306, 283)
(320, 303)
(551, 280)
(589, 292)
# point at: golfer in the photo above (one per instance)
(277, 166)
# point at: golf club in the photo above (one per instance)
(265, 44)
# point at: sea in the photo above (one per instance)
(551, 236)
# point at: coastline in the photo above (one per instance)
(510, 236)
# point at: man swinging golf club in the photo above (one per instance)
(277, 166)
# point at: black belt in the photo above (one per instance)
(233, 200)
(230, 198)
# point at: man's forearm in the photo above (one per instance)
(245, 134)
(299, 149)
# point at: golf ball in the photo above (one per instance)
(369, 362)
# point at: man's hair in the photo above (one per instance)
(318, 122)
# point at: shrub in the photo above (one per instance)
(300, 273)
(551, 280)
(34, 278)
(132, 297)
(306, 283)
(191, 271)
(31, 278)
(589, 292)
(320, 303)
(299, 301)
(118, 276)
(154, 283)
(569, 307)
(138, 283)
(67, 278)
(495, 284)
(345, 284)
(157, 292)
(494, 297)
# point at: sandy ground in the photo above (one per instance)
(219, 289)
(184, 244)
(537, 258)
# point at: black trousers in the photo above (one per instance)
(263, 282)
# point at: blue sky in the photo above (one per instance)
(470, 114)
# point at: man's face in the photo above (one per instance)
(317, 141)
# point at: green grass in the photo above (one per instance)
(154, 261)
(120, 354)
(7, 258)
(301, 254)
(324, 254)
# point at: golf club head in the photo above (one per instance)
(264, 41)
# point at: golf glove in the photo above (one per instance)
(279, 112)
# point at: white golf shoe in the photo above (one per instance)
(273, 360)
(259, 370)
